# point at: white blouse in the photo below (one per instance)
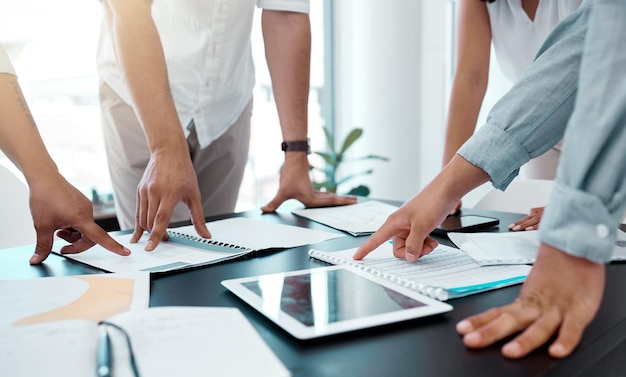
(5, 62)
(516, 38)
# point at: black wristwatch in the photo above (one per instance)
(296, 146)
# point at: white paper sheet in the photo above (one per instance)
(167, 341)
(356, 219)
(488, 248)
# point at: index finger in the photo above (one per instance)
(98, 235)
(197, 217)
(384, 233)
(159, 227)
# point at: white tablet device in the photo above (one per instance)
(329, 300)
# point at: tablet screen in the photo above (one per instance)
(322, 301)
(331, 296)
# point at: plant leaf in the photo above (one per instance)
(328, 158)
(368, 157)
(329, 187)
(359, 191)
(347, 178)
(353, 136)
(330, 140)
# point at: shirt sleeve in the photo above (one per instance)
(532, 116)
(580, 64)
(5, 62)
(589, 197)
(299, 6)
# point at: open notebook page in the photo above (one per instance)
(445, 273)
(255, 234)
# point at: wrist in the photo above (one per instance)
(174, 145)
(39, 168)
(296, 146)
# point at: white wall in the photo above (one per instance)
(390, 80)
(393, 67)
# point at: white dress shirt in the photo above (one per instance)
(516, 39)
(5, 62)
(208, 55)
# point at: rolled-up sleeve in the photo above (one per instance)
(589, 196)
(576, 88)
(532, 116)
(298, 6)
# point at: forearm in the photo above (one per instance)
(141, 61)
(455, 180)
(19, 137)
(532, 116)
(465, 102)
(287, 38)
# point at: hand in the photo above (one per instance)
(457, 208)
(295, 183)
(410, 226)
(168, 179)
(55, 204)
(560, 296)
(530, 222)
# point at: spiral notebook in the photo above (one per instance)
(247, 234)
(445, 273)
(231, 239)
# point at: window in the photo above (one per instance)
(53, 50)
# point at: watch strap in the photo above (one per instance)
(296, 146)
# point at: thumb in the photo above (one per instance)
(414, 245)
(43, 247)
(273, 205)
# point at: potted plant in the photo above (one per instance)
(334, 158)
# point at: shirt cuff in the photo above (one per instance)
(578, 223)
(495, 152)
(298, 6)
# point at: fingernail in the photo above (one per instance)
(149, 245)
(512, 349)
(557, 350)
(516, 227)
(511, 226)
(464, 326)
(410, 257)
(126, 251)
(530, 228)
(472, 338)
(34, 259)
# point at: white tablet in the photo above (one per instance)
(322, 301)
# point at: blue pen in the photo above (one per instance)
(104, 355)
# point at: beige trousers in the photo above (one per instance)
(219, 166)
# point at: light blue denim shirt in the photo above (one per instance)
(578, 83)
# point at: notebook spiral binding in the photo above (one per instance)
(207, 241)
(437, 293)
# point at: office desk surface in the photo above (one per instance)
(424, 347)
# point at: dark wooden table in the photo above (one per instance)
(424, 347)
